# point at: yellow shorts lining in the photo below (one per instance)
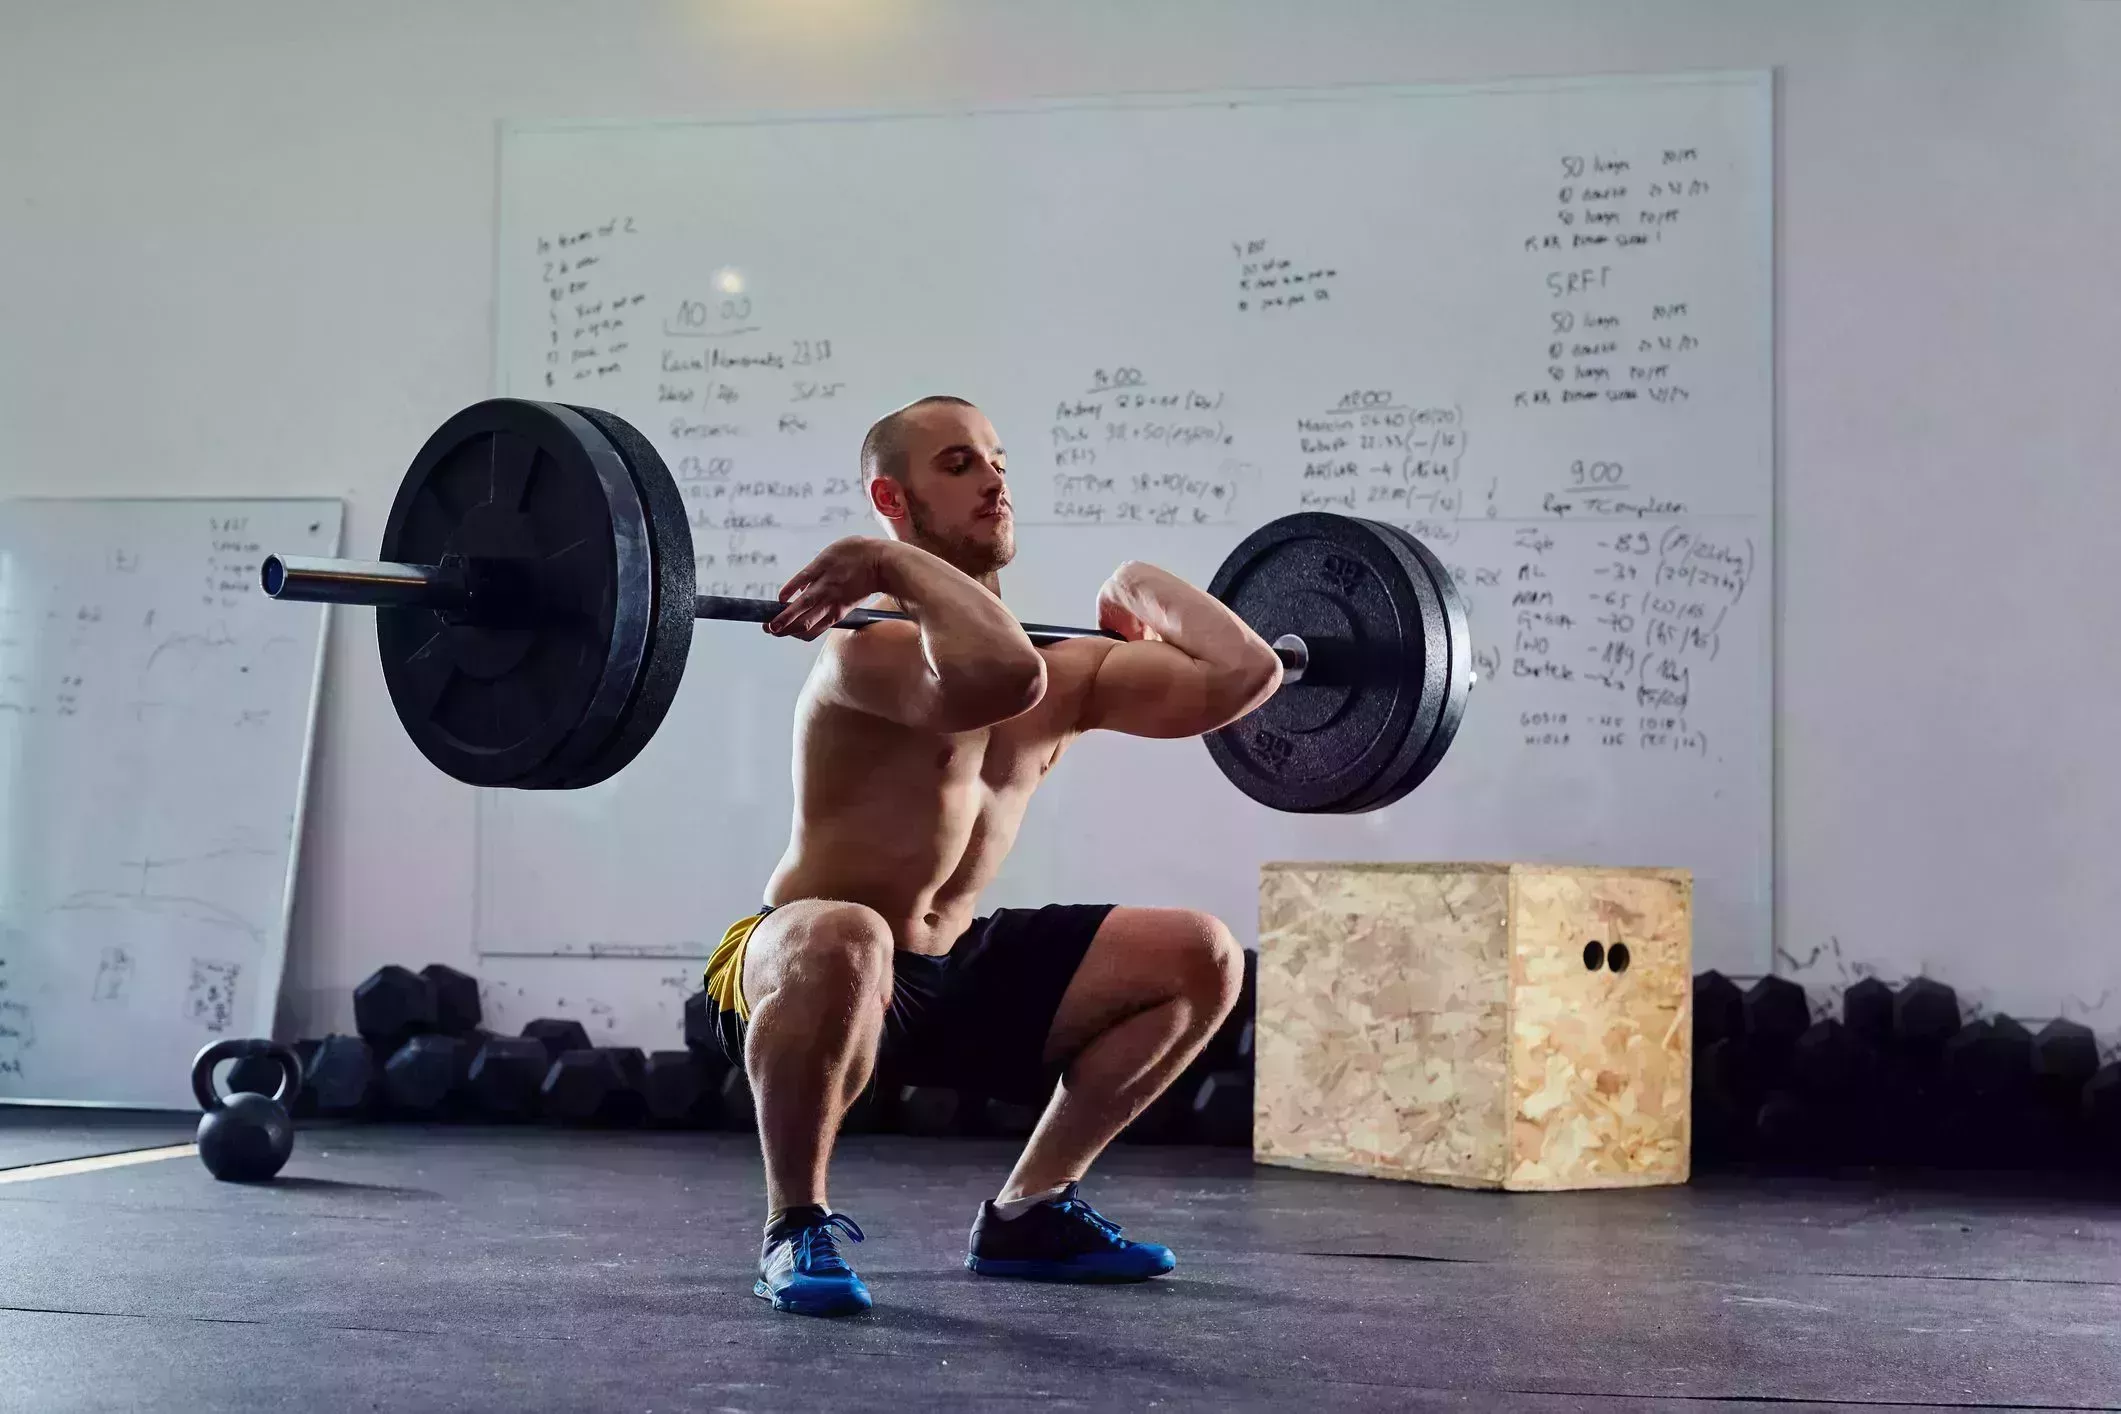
(724, 977)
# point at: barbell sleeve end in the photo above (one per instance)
(376, 585)
(734, 610)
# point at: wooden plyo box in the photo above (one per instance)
(1442, 1023)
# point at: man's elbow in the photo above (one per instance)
(1240, 688)
(1018, 685)
(994, 691)
(1256, 679)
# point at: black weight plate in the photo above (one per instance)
(676, 593)
(1347, 587)
(1422, 673)
(1458, 680)
(538, 486)
(1446, 678)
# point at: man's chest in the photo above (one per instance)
(1010, 758)
(1006, 762)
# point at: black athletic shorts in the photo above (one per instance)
(974, 1018)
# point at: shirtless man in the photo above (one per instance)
(917, 748)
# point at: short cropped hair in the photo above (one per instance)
(884, 448)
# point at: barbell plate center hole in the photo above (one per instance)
(1295, 657)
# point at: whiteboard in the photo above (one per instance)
(156, 712)
(1532, 322)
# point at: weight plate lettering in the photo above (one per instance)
(537, 487)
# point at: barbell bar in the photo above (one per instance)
(537, 588)
(374, 584)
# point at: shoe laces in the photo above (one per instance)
(817, 1250)
(1075, 1207)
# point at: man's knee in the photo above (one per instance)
(836, 947)
(1208, 961)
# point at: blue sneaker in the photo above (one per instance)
(801, 1270)
(1062, 1239)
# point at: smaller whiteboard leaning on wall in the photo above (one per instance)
(156, 714)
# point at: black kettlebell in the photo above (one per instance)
(247, 1137)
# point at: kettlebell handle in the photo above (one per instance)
(202, 1069)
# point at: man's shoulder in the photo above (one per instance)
(1071, 673)
(1045, 730)
(1076, 660)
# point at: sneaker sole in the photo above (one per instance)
(849, 1305)
(1054, 1271)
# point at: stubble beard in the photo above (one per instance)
(976, 559)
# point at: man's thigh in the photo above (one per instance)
(1140, 958)
(789, 938)
(784, 936)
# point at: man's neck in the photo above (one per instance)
(991, 580)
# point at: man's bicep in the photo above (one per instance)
(882, 670)
(1147, 689)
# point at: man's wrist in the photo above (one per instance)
(895, 561)
(1129, 581)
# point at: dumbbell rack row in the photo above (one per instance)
(1899, 1078)
(422, 1054)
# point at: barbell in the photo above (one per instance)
(535, 595)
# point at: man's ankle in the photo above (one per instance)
(1008, 1209)
(783, 1221)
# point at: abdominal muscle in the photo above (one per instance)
(913, 824)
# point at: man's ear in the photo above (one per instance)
(887, 498)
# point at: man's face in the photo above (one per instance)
(955, 492)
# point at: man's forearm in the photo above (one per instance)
(1190, 620)
(967, 631)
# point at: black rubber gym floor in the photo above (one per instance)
(45, 1136)
(403, 1268)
